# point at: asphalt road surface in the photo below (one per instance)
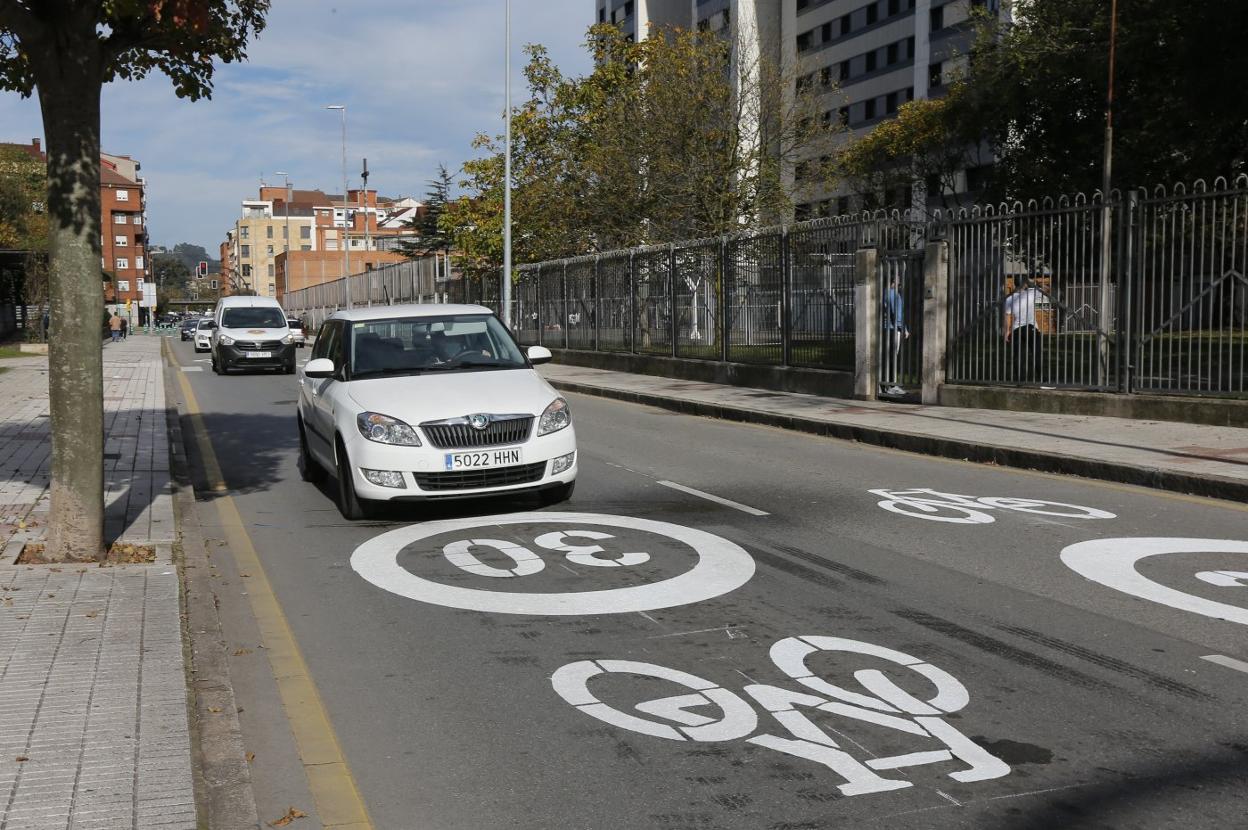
(811, 654)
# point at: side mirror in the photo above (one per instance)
(322, 367)
(539, 354)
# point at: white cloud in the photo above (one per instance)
(419, 78)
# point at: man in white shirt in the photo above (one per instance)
(1022, 334)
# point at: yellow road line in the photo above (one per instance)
(333, 787)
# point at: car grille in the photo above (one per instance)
(488, 477)
(257, 345)
(463, 436)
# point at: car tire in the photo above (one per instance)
(289, 369)
(350, 505)
(310, 469)
(557, 494)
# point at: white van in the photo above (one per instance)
(251, 333)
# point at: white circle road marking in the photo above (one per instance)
(1111, 562)
(721, 567)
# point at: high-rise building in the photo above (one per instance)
(268, 226)
(123, 231)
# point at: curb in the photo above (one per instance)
(1216, 487)
(223, 790)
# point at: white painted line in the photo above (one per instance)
(192, 368)
(1229, 662)
(735, 505)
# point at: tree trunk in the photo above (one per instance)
(69, 94)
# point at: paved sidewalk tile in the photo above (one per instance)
(138, 488)
(1217, 454)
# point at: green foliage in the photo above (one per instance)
(23, 201)
(665, 139)
(431, 237)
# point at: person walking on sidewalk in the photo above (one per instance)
(893, 318)
(1022, 336)
(114, 326)
(125, 328)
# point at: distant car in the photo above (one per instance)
(187, 329)
(296, 331)
(416, 403)
(203, 335)
(251, 334)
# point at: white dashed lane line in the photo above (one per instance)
(735, 505)
(1228, 662)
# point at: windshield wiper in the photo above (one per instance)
(474, 364)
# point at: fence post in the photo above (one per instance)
(593, 294)
(725, 310)
(537, 300)
(563, 289)
(866, 324)
(632, 304)
(935, 319)
(1126, 279)
(671, 297)
(786, 299)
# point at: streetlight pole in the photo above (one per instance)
(367, 238)
(505, 292)
(1104, 314)
(286, 247)
(346, 260)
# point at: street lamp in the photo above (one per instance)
(505, 293)
(346, 262)
(286, 247)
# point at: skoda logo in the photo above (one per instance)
(479, 421)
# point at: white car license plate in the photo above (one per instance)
(258, 354)
(482, 458)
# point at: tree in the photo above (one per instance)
(430, 236)
(65, 51)
(191, 255)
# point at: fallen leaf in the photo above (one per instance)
(21, 759)
(251, 756)
(91, 614)
(239, 652)
(290, 816)
(55, 570)
(214, 710)
(245, 576)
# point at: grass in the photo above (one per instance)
(11, 351)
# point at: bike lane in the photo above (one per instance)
(842, 679)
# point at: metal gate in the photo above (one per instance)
(901, 322)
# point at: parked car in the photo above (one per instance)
(187, 330)
(251, 333)
(296, 331)
(203, 334)
(420, 402)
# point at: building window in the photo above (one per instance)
(268, 231)
(825, 76)
(268, 249)
(826, 118)
(842, 204)
(910, 48)
(890, 102)
(868, 109)
(119, 218)
(271, 270)
(120, 241)
(825, 32)
(909, 93)
(844, 114)
(246, 250)
(138, 263)
(873, 13)
(824, 208)
(305, 231)
(213, 284)
(123, 195)
(801, 212)
(123, 286)
(331, 244)
(285, 231)
(935, 74)
(844, 70)
(892, 54)
(894, 6)
(846, 26)
(803, 83)
(244, 232)
(937, 18)
(246, 270)
(272, 288)
(800, 171)
(123, 263)
(803, 41)
(870, 61)
(305, 247)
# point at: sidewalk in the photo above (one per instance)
(1188, 458)
(93, 708)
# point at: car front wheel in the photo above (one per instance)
(350, 505)
(309, 468)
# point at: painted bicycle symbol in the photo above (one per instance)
(882, 703)
(938, 506)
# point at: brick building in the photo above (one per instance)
(123, 231)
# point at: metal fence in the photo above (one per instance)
(411, 281)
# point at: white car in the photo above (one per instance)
(203, 335)
(296, 332)
(419, 402)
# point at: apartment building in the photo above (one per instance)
(862, 58)
(123, 231)
(269, 225)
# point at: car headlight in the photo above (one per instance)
(557, 416)
(288, 339)
(223, 340)
(386, 430)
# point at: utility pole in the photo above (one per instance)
(367, 237)
(505, 287)
(1105, 312)
(346, 260)
(286, 247)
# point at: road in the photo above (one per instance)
(829, 663)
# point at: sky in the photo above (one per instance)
(419, 78)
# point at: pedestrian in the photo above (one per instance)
(125, 328)
(47, 322)
(1022, 335)
(893, 317)
(114, 326)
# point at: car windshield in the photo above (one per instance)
(207, 324)
(254, 317)
(294, 324)
(414, 345)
